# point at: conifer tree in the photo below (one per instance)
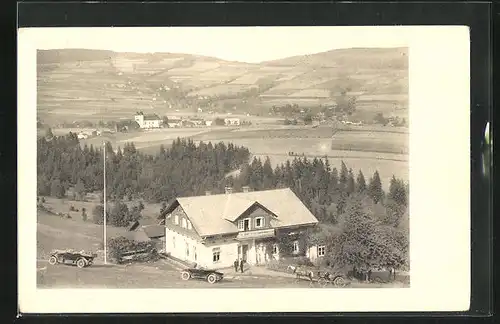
(334, 181)
(343, 176)
(375, 188)
(350, 183)
(341, 204)
(268, 181)
(361, 182)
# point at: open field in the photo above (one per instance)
(54, 232)
(56, 206)
(366, 148)
(106, 85)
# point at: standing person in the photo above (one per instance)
(241, 265)
(236, 265)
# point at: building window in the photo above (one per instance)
(216, 255)
(295, 246)
(194, 253)
(187, 249)
(240, 225)
(259, 222)
(275, 249)
(321, 250)
(190, 226)
(173, 241)
(176, 219)
(184, 223)
(246, 224)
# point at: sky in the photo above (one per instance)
(243, 44)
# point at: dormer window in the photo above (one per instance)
(184, 223)
(259, 222)
(244, 224)
(189, 225)
(176, 219)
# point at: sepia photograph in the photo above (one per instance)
(211, 158)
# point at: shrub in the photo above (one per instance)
(120, 246)
(97, 214)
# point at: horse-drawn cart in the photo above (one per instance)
(324, 279)
(81, 259)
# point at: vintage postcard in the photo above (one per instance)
(248, 169)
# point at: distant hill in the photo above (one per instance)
(75, 84)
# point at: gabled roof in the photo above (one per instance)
(153, 231)
(142, 222)
(152, 117)
(235, 206)
(215, 214)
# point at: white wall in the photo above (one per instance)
(204, 253)
(179, 250)
(140, 120)
(228, 254)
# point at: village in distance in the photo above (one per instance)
(163, 170)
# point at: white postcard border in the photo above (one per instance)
(439, 204)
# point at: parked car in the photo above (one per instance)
(211, 276)
(82, 259)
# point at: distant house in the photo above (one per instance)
(197, 121)
(143, 231)
(232, 121)
(148, 121)
(82, 136)
(174, 122)
(215, 230)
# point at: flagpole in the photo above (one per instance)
(104, 211)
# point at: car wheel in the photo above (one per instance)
(322, 282)
(185, 275)
(52, 260)
(212, 278)
(81, 263)
(339, 281)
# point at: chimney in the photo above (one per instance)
(228, 190)
(208, 193)
(245, 189)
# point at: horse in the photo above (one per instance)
(301, 273)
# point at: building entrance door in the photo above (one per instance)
(243, 252)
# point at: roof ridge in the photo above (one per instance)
(235, 193)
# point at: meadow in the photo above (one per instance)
(365, 148)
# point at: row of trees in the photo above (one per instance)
(119, 214)
(324, 189)
(183, 169)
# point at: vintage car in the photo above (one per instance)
(211, 276)
(82, 259)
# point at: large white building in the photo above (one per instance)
(148, 121)
(232, 121)
(215, 230)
